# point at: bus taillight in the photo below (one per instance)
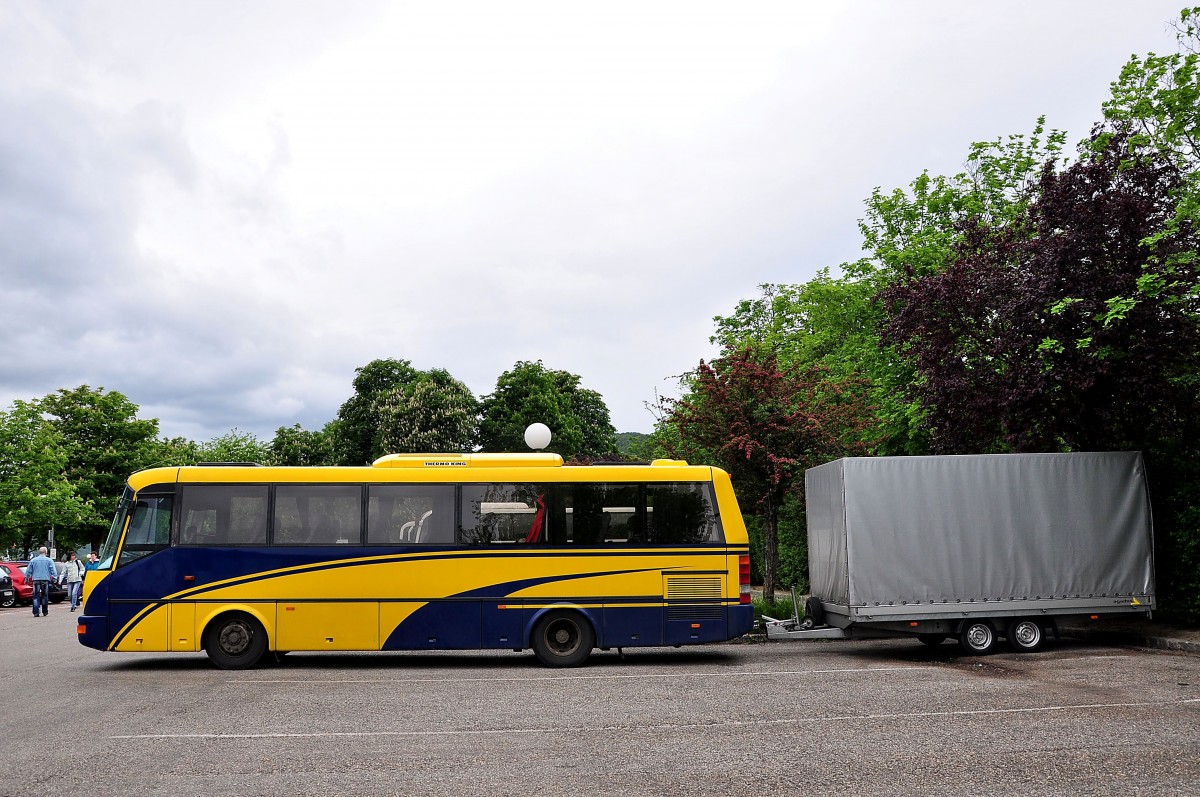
(744, 578)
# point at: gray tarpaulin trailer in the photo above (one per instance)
(974, 547)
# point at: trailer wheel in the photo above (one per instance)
(814, 610)
(1025, 635)
(977, 637)
(933, 640)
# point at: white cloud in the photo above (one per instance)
(222, 209)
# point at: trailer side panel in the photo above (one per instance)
(923, 532)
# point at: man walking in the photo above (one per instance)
(40, 571)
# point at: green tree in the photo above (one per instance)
(631, 444)
(665, 442)
(1080, 341)
(832, 323)
(531, 393)
(765, 425)
(396, 407)
(1157, 98)
(357, 432)
(105, 441)
(915, 231)
(35, 493)
(170, 452)
(1020, 344)
(1155, 107)
(433, 413)
(293, 445)
(235, 446)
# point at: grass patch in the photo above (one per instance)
(781, 608)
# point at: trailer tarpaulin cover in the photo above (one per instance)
(987, 527)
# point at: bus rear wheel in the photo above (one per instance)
(235, 641)
(563, 639)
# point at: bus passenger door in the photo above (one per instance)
(142, 578)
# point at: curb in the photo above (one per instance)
(1127, 639)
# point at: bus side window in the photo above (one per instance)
(223, 515)
(504, 514)
(407, 514)
(680, 514)
(318, 514)
(585, 516)
(197, 524)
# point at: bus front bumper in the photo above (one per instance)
(93, 631)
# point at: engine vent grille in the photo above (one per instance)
(694, 588)
(694, 613)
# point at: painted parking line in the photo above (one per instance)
(541, 678)
(479, 732)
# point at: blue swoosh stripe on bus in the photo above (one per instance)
(510, 587)
(408, 557)
(496, 591)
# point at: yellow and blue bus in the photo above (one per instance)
(421, 552)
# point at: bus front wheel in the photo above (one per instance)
(563, 639)
(235, 641)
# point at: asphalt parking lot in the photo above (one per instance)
(846, 718)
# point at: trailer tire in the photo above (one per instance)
(977, 637)
(1025, 635)
(814, 610)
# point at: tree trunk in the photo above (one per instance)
(770, 552)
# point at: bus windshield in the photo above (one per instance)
(109, 548)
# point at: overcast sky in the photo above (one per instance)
(221, 209)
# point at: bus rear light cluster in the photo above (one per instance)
(744, 579)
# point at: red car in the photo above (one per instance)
(23, 590)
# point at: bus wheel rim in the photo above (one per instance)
(235, 638)
(563, 637)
